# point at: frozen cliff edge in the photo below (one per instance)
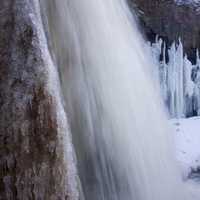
(179, 78)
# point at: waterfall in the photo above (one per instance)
(123, 146)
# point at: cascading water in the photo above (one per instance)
(117, 121)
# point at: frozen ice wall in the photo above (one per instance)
(179, 79)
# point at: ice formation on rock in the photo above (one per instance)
(179, 79)
(191, 3)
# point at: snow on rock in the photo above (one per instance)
(194, 2)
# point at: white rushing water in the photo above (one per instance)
(118, 124)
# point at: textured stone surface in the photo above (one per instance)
(170, 21)
(33, 164)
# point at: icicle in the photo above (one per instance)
(188, 83)
(179, 79)
(197, 58)
(163, 74)
(171, 81)
(179, 98)
(188, 87)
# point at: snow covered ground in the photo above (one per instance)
(187, 140)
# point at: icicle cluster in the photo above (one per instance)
(179, 79)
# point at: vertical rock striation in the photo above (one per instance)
(36, 154)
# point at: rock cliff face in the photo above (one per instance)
(36, 159)
(170, 21)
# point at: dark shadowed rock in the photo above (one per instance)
(36, 160)
(170, 21)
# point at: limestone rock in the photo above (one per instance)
(36, 154)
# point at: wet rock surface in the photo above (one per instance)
(32, 160)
